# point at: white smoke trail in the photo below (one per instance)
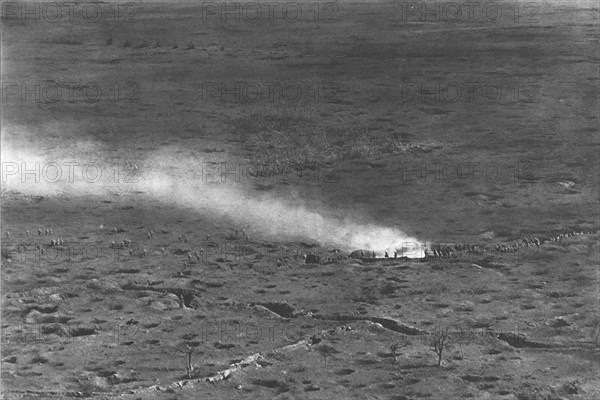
(169, 178)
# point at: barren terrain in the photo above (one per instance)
(224, 222)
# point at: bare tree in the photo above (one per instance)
(393, 349)
(438, 342)
(395, 346)
(326, 351)
(187, 349)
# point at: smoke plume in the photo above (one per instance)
(168, 178)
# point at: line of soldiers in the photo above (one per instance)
(47, 232)
(57, 242)
(558, 238)
(197, 254)
(131, 165)
(125, 243)
(447, 251)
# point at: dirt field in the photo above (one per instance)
(187, 179)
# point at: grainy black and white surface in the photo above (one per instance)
(300, 200)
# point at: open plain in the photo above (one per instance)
(184, 185)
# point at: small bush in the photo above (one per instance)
(115, 307)
(39, 359)
(126, 44)
(109, 41)
(479, 289)
(190, 45)
(82, 331)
